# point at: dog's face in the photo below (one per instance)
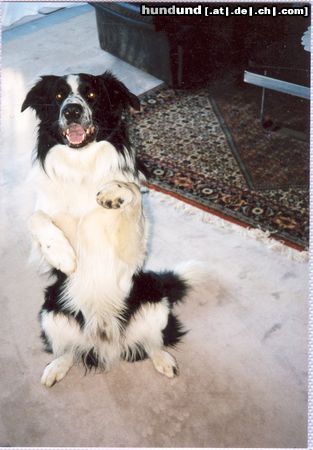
(77, 109)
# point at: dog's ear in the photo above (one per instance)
(39, 94)
(118, 93)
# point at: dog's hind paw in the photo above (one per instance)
(115, 194)
(56, 370)
(165, 363)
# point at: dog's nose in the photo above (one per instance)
(72, 111)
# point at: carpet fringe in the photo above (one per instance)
(259, 235)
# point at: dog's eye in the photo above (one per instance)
(91, 95)
(59, 96)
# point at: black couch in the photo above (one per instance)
(188, 50)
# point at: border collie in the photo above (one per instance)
(90, 228)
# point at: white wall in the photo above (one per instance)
(16, 13)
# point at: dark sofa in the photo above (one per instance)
(184, 50)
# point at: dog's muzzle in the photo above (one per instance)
(75, 126)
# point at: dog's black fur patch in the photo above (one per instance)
(53, 299)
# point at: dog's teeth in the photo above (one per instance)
(87, 131)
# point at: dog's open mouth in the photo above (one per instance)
(77, 135)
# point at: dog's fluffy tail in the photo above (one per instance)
(186, 276)
(193, 273)
(174, 284)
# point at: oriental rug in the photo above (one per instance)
(214, 154)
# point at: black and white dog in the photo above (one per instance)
(90, 227)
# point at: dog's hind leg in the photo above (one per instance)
(164, 363)
(144, 336)
(61, 334)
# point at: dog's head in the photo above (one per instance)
(77, 109)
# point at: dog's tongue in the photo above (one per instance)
(75, 134)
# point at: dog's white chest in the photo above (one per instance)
(72, 178)
(70, 197)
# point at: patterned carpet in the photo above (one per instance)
(210, 151)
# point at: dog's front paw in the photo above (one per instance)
(115, 194)
(165, 364)
(60, 256)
